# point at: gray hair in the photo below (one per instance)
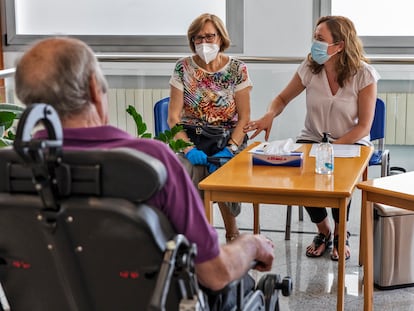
(58, 71)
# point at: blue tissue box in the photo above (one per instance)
(291, 159)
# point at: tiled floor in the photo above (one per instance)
(315, 279)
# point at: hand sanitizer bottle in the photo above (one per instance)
(324, 157)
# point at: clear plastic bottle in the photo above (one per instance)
(324, 157)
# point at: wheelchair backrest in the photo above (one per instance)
(89, 242)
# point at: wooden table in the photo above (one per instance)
(396, 190)
(241, 181)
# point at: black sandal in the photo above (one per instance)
(319, 240)
(336, 246)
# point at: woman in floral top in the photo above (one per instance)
(210, 88)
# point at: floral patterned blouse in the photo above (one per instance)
(209, 97)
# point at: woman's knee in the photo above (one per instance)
(316, 214)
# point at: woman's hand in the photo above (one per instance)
(265, 123)
(293, 89)
(196, 157)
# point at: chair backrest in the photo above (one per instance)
(378, 124)
(82, 237)
(161, 115)
(381, 156)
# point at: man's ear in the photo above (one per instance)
(96, 97)
(94, 89)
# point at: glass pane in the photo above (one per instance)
(121, 17)
(378, 17)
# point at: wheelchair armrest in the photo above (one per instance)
(179, 259)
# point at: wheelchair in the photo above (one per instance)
(75, 236)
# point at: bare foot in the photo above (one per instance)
(319, 245)
(334, 254)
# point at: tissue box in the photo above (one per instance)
(290, 159)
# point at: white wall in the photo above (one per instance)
(278, 28)
(268, 81)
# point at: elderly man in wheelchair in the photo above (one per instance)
(92, 218)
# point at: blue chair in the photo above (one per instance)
(381, 155)
(161, 115)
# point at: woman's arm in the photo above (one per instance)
(366, 108)
(175, 109)
(293, 89)
(242, 98)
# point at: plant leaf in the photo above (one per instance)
(7, 118)
(166, 137)
(176, 129)
(162, 137)
(169, 134)
(179, 145)
(10, 135)
(5, 142)
(140, 124)
(16, 108)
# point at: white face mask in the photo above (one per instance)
(207, 51)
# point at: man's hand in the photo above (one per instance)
(265, 253)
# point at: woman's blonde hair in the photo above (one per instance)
(199, 23)
(349, 60)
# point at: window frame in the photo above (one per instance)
(394, 45)
(128, 43)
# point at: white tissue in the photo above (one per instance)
(280, 147)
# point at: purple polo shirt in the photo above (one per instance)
(178, 199)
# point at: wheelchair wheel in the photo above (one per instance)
(267, 284)
(270, 284)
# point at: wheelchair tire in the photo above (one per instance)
(268, 284)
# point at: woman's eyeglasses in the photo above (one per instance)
(209, 38)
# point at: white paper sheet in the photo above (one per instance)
(259, 148)
(341, 151)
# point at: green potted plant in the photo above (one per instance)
(177, 145)
(8, 114)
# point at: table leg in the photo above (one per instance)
(368, 260)
(288, 222)
(361, 226)
(341, 251)
(256, 218)
(362, 238)
(208, 206)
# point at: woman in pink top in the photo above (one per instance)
(341, 90)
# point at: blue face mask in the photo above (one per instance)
(319, 52)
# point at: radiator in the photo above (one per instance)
(399, 126)
(399, 119)
(142, 99)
